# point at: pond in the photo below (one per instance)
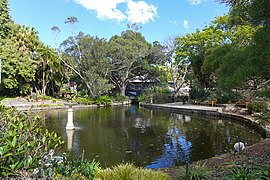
(147, 138)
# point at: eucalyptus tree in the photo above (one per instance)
(178, 66)
(85, 59)
(89, 61)
(154, 67)
(127, 54)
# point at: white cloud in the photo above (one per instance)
(105, 9)
(185, 24)
(173, 22)
(136, 12)
(141, 12)
(195, 2)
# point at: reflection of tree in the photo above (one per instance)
(177, 148)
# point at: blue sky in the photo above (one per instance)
(104, 18)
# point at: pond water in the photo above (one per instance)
(152, 139)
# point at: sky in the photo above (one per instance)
(159, 19)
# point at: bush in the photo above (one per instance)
(258, 106)
(129, 171)
(23, 141)
(159, 95)
(67, 168)
(103, 100)
(85, 101)
(196, 171)
(119, 98)
(248, 173)
(223, 97)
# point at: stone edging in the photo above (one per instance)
(216, 113)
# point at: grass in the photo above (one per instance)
(196, 171)
(129, 171)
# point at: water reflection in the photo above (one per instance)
(70, 133)
(147, 138)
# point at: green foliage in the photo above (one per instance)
(224, 96)
(87, 57)
(128, 54)
(119, 98)
(264, 119)
(5, 19)
(104, 100)
(239, 173)
(86, 101)
(23, 141)
(264, 93)
(129, 171)
(73, 168)
(159, 95)
(262, 174)
(196, 171)
(64, 167)
(242, 173)
(258, 106)
(244, 63)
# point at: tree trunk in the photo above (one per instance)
(123, 89)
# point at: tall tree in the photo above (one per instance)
(90, 61)
(18, 68)
(194, 48)
(178, 65)
(47, 73)
(127, 53)
(252, 72)
(5, 19)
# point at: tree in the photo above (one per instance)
(18, 68)
(127, 53)
(194, 48)
(89, 61)
(5, 19)
(247, 67)
(178, 66)
(47, 70)
(154, 64)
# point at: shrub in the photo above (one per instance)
(23, 141)
(119, 98)
(129, 171)
(264, 119)
(248, 173)
(85, 101)
(159, 95)
(224, 97)
(64, 167)
(239, 173)
(103, 100)
(196, 171)
(262, 174)
(258, 106)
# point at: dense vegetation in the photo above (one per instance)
(230, 56)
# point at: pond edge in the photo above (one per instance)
(213, 112)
